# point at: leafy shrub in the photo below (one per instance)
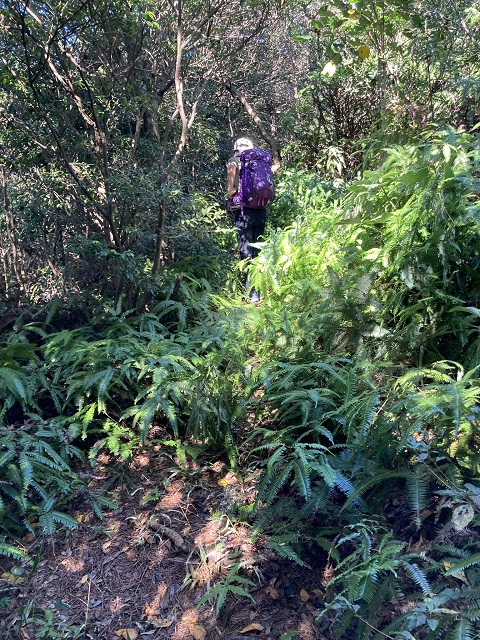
(385, 270)
(367, 366)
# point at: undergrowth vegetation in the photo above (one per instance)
(359, 375)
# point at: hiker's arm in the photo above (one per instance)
(231, 179)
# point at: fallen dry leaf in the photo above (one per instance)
(460, 575)
(273, 593)
(198, 632)
(11, 577)
(151, 611)
(255, 626)
(230, 478)
(162, 623)
(106, 545)
(328, 574)
(419, 544)
(84, 579)
(304, 595)
(426, 513)
(127, 634)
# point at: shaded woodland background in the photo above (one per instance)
(352, 391)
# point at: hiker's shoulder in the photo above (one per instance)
(234, 161)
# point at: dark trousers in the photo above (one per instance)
(249, 225)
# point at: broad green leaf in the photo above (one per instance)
(412, 177)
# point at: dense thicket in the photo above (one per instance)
(123, 307)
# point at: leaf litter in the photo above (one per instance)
(142, 571)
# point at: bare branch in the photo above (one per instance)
(263, 132)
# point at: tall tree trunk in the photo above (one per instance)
(10, 250)
(186, 125)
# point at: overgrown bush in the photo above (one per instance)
(369, 375)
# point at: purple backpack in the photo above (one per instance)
(256, 188)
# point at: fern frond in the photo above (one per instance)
(463, 564)
(47, 523)
(302, 478)
(40, 489)
(370, 482)
(317, 501)
(54, 460)
(6, 456)
(27, 470)
(351, 385)
(13, 474)
(64, 519)
(269, 487)
(329, 475)
(10, 551)
(275, 459)
(418, 576)
(284, 550)
(15, 382)
(410, 379)
(451, 550)
(348, 622)
(417, 486)
(463, 630)
(14, 493)
(358, 415)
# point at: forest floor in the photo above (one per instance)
(141, 572)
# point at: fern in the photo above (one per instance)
(10, 551)
(232, 583)
(370, 482)
(463, 630)
(301, 477)
(418, 576)
(36, 479)
(270, 486)
(63, 519)
(417, 486)
(464, 564)
(282, 546)
(357, 415)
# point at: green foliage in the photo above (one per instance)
(353, 385)
(356, 380)
(451, 402)
(117, 376)
(371, 569)
(232, 583)
(380, 271)
(15, 384)
(45, 623)
(368, 340)
(10, 551)
(37, 481)
(419, 68)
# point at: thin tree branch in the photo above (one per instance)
(263, 132)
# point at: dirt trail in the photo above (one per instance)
(142, 571)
